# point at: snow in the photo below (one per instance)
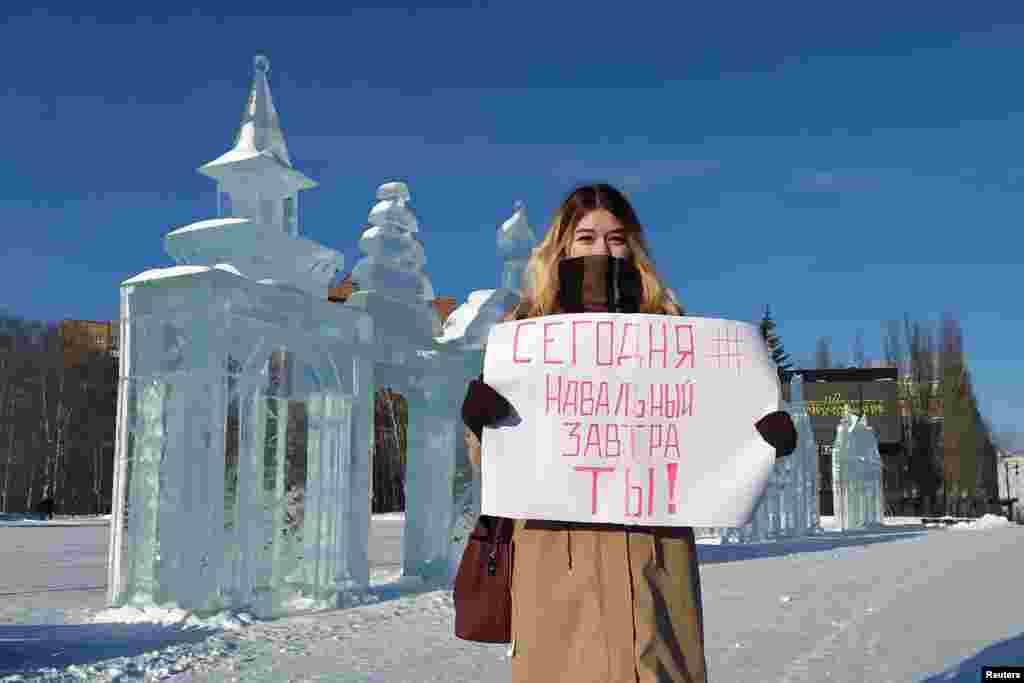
(896, 602)
(19, 520)
(984, 522)
(469, 324)
(209, 224)
(154, 274)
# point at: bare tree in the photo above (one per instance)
(390, 443)
(56, 422)
(951, 452)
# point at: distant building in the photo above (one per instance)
(80, 337)
(884, 393)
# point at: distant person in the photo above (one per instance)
(601, 603)
(44, 508)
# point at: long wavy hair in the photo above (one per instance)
(540, 295)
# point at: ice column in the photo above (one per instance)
(429, 472)
(856, 474)
(806, 515)
(466, 330)
(870, 505)
(841, 471)
(390, 284)
(145, 492)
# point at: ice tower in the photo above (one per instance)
(245, 404)
(857, 474)
(390, 284)
(466, 330)
(257, 228)
(469, 324)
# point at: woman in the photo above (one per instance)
(597, 603)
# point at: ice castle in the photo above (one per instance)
(245, 410)
(245, 432)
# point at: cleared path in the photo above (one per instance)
(63, 566)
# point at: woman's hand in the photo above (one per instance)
(778, 430)
(483, 407)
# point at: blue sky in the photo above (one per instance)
(846, 164)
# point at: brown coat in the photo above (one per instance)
(604, 603)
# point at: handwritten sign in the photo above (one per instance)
(628, 419)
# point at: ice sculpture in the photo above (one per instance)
(257, 231)
(807, 474)
(466, 330)
(789, 505)
(468, 325)
(856, 474)
(245, 406)
(515, 242)
(393, 265)
(391, 286)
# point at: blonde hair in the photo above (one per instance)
(540, 295)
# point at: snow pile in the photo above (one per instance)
(984, 522)
(173, 616)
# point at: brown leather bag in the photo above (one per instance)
(483, 586)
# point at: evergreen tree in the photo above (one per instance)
(778, 353)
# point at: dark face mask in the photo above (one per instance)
(598, 283)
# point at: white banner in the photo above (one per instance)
(628, 419)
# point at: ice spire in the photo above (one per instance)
(256, 179)
(261, 127)
(515, 241)
(256, 233)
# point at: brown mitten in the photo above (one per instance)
(778, 430)
(483, 406)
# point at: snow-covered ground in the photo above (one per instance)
(8, 519)
(898, 603)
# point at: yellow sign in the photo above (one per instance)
(836, 408)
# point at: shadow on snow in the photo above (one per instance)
(1008, 652)
(31, 647)
(823, 542)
